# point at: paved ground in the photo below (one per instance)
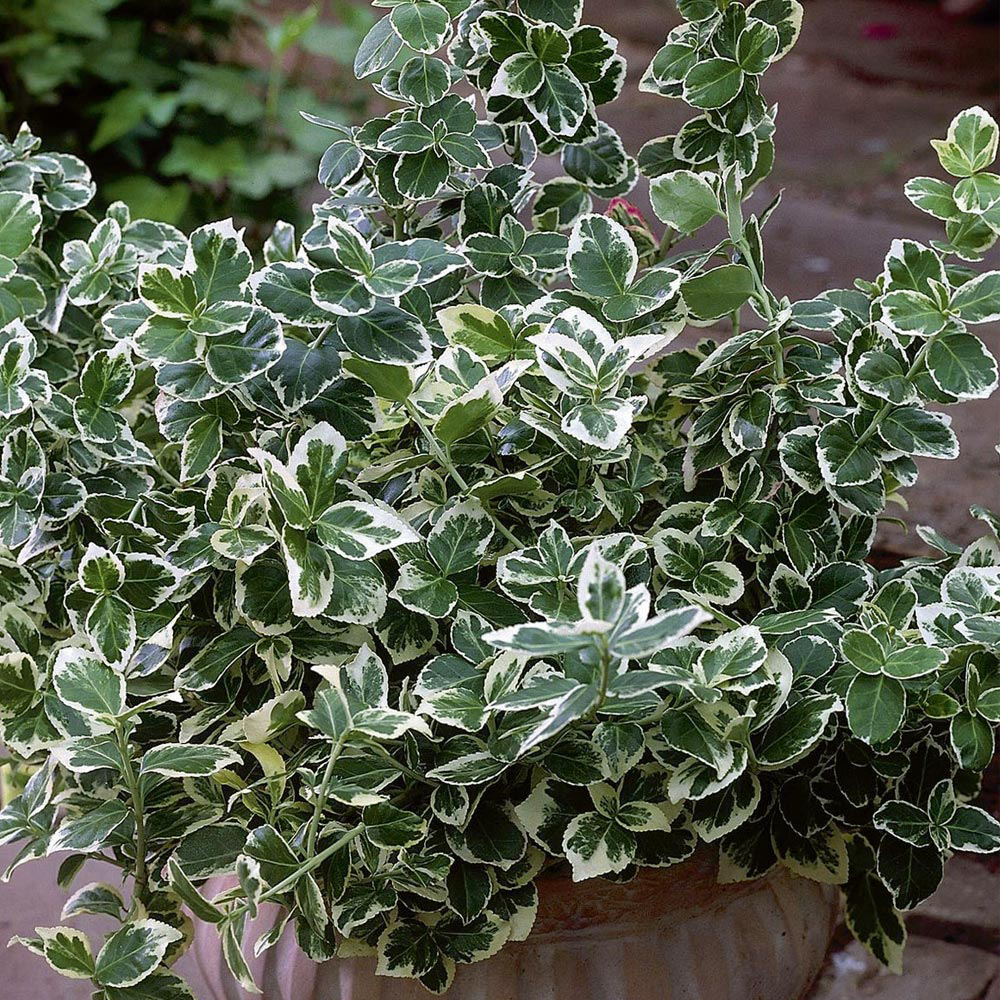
(870, 82)
(952, 952)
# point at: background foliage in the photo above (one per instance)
(187, 111)
(414, 559)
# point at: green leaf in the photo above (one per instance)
(652, 290)
(622, 745)
(843, 459)
(386, 335)
(67, 950)
(596, 845)
(712, 83)
(974, 829)
(20, 220)
(757, 46)
(460, 538)
(100, 571)
(424, 80)
(784, 15)
(913, 312)
(310, 572)
(565, 13)
(358, 530)
(391, 828)
(972, 740)
(602, 257)
(378, 49)
(933, 196)
(603, 424)
(340, 163)
(133, 952)
(733, 655)
(471, 412)
(422, 588)
(904, 821)
(684, 200)
(795, 731)
(978, 300)
(421, 175)
(971, 143)
(911, 873)
(91, 831)
(491, 837)
(84, 682)
(422, 24)
(187, 760)
(961, 365)
(697, 734)
(484, 332)
(876, 705)
(561, 103)
(331, 714)
(718, 292)
(111, 626)
(520, 75)
(915, 431)
(869, 910)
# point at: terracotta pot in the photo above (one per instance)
(671, 934)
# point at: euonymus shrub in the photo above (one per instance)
(390, 572)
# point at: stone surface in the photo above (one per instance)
(968, 896)
(933, 970)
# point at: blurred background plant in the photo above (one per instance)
(186, 109)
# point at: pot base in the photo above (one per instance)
(670, 934)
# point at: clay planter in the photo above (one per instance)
(671, 934)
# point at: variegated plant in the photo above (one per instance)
(388, 573)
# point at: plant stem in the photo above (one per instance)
(438, 450)
(132, 783)
(881, 413)
(321, 797)
(774, 338)
(307, 866)
(399, 225)
(441, 454)
(604, 679)
(734, 216)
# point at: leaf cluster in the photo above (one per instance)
(191, 115)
